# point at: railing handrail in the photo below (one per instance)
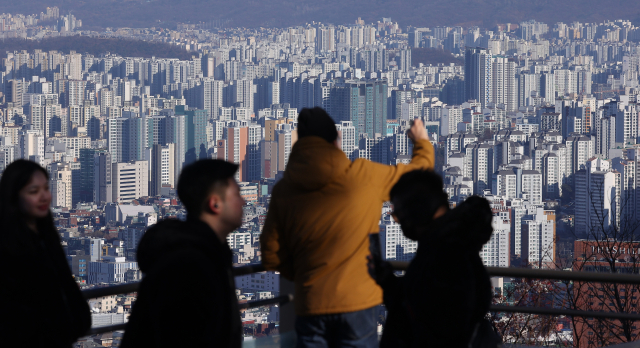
(401, 266)
(107, 328)
(558, 275)
(549, 274)
(244, 270)
(134, 286)
(111, 290)
(267, 302)
(246, 305)
(567, 312)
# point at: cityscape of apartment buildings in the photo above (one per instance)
(539, 118)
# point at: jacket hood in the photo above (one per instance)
(314, 163)
(467, 224)
(171, 235)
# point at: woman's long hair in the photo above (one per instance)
(12, 221)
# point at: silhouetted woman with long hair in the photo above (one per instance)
(41, 305)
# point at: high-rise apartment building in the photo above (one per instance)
(395, 245)
(127, 138)
(194, 134)
(286, 136)
(32, 144)
(374, 149)
(627, 124)
(74, 92)
(47, 117)
(449, 118)
(87, 174)
(103, 178)
(347, 138)
(61, 185)
(269, 158)
(363, 102)
(496, 252)
(503, 83)
(597, 198)
(479, 161)
(253, 167)
(605, 135)
(325, 39)
(212, 96)
(130, 180)
(478, 72)
(236, 150)
(538, 238)
(243, 94)
(162, 168)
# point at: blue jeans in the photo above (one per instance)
(354, 329)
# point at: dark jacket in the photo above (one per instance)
(446, 290)
(42, 305)
(187, 296)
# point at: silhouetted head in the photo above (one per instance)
(25, 197)
(208, 191)
(416, 199)
(316, 122)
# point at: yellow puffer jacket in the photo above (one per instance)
(319, 219)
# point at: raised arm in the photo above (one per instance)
(384, 176)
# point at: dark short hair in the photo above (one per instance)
(201, 178)
(318, 123)
(417, 196)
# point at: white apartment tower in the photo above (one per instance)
(32, 144)
(61, 185)
(212, 95)
(480, 162)
(538, 237)
(496, 252)
(597, 198)
(130, 180)
(394, 244)
(348, 138)
(503, 83)
(627, 124)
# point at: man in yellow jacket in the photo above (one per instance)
(316, 232)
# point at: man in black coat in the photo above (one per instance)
(446, 291)
(187, 296)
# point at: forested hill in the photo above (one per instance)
(94, 46)
(283, 13)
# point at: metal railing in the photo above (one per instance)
(557, 275)
(133, 287)
(401, 266)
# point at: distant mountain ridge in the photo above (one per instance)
(94, 46)
(284, 13)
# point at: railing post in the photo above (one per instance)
(287, 310)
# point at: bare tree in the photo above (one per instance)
(611, 246)
(523, 328)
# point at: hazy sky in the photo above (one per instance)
(253, 13)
